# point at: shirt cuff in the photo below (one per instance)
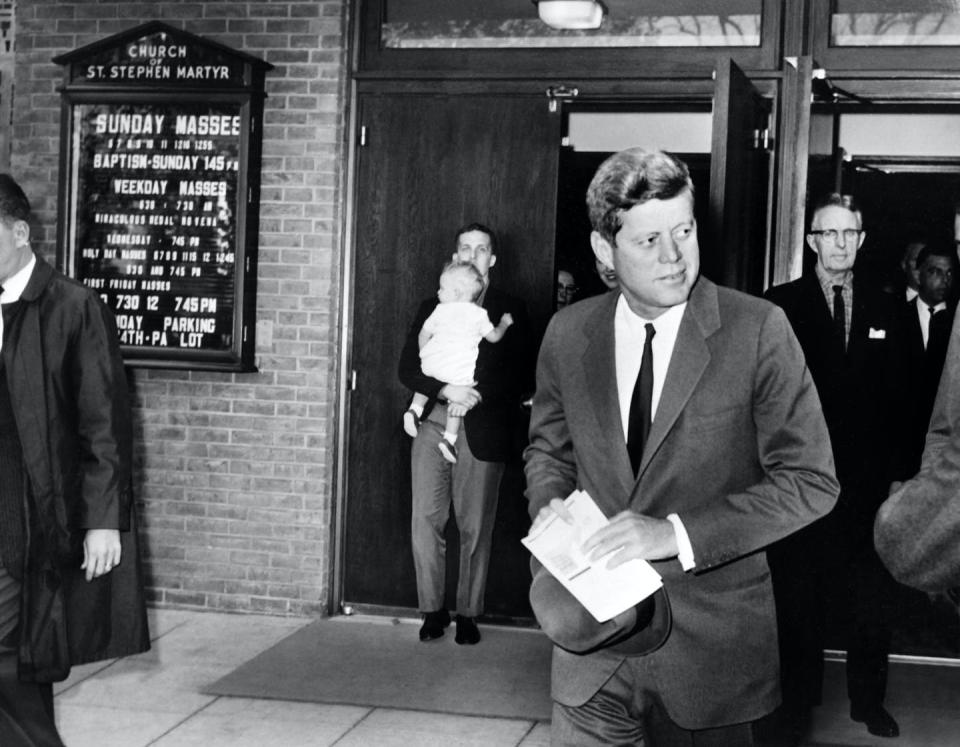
(684, 548)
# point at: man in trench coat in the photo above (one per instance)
(70, 575)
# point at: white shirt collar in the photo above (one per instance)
(925, 307)
(17, 283)
(629, 338)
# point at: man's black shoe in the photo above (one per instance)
(467, 632)
(433, 625)
(878, 721)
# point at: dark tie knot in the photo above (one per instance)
(838, 290)
(651, 330)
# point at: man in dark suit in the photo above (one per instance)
(928, 323)
(701, 450)
(851, 334)
(472, 484)
(917, 527)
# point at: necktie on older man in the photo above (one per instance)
(641, 403)
(839, 318)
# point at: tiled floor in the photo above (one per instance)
(156, 699)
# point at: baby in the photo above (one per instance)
(449, 342)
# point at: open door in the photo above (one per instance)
(431, 163)
(739, 183)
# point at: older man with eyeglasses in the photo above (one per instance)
(827, 576)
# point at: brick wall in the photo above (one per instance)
(235, 471)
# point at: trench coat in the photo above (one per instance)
(69, 393)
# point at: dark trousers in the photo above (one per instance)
(625, 712)
(828, 576)
(799, 581)
(26, 708)
(870, 595)
(470, 487)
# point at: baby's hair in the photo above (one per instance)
(467, 276)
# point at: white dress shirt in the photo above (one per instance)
(629, 336)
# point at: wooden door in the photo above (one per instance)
(739, 184)
(430, 164)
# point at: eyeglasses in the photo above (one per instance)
(831, 234)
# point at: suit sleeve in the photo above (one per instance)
(550, 466)
(916, 528)
(103, 419)
(798, 484)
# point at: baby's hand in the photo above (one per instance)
(506, 320)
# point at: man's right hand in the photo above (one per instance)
(462, 396)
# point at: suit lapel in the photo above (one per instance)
(821, 309)
(687, 364)
(600, 382)
(914, 333)
(859, 326)
(815, 327)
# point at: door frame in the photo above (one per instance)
(520, 278)
(642, 92)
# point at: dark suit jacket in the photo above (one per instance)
(917, 527)
(738, 449)
(924, 366)
(862, 391)
(501, 374)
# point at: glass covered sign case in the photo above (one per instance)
(159, 195)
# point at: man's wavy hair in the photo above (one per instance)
(630, 178)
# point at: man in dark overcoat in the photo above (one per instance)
(70, 576)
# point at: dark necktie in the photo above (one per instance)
(638, 423)
(937, 331)
(839, 318)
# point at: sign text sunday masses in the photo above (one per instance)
(156, 236)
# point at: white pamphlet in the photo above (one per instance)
(605, 592)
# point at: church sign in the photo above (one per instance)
(159, 192)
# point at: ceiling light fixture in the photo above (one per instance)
(570, 14)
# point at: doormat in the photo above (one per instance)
(382, 663)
